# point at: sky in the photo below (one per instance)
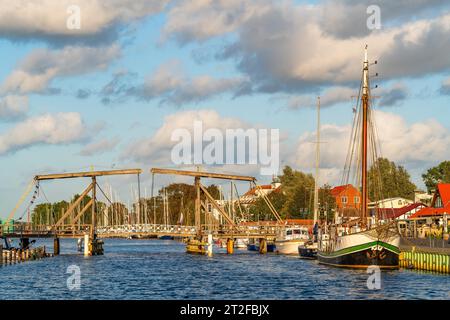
(108, 93)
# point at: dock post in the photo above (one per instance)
(86, 244)
(56, 246)
(230, 245)
(262, 246)
(210, 245)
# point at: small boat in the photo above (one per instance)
(165, 237)
(240, 243)
(253, 246)
(308, 250)
(290, 238)
(197, 247)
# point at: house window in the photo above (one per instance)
(438, 203)
(356, 199)
(344, 199)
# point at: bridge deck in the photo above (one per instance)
(144, 230)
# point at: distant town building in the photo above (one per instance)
(402, 213)
(396, 202)
(423, 197)
(440, 204)
(348, 200)
(254, 194)
(347, 196)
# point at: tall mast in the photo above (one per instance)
(316, 180)
(365, 106)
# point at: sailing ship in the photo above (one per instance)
(360, 240)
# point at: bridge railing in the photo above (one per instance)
(147, 228)
(43, 229)
(249, 230)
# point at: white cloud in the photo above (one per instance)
(199, 20)
(47, 19)
(328, 98)
(157, 149)
(289, 48)
(42, 66)
(416, 145)
(60, 128)
(170, 84)
(389, 96)
(445, 87)
(13, 107)
(99, 147)
(334, 14)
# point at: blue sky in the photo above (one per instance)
(270, 49)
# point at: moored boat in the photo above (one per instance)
(308, 250)
(359, 239)
(290, 238)
(197, 247)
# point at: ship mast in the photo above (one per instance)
(365, 106)
(316, 180)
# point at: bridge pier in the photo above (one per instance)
(210, 245)
(56, 246)
(86, 245)
(92, 247)
(262, 246)
(230, 246)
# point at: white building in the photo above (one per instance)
(391, 203)
(423, 197)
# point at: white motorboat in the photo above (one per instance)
(290, 238)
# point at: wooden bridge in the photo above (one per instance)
(141, 231)
(69, 224)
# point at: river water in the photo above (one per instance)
(156, 269)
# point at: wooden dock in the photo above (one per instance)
(13, 256)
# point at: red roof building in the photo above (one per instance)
(440, 204)
(254, 193)
(400, 213)
(347, 196)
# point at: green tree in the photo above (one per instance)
(260, 211)
(181, 198)
(440, 173)
(387, 180)
(327, 203)
(296, 199)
